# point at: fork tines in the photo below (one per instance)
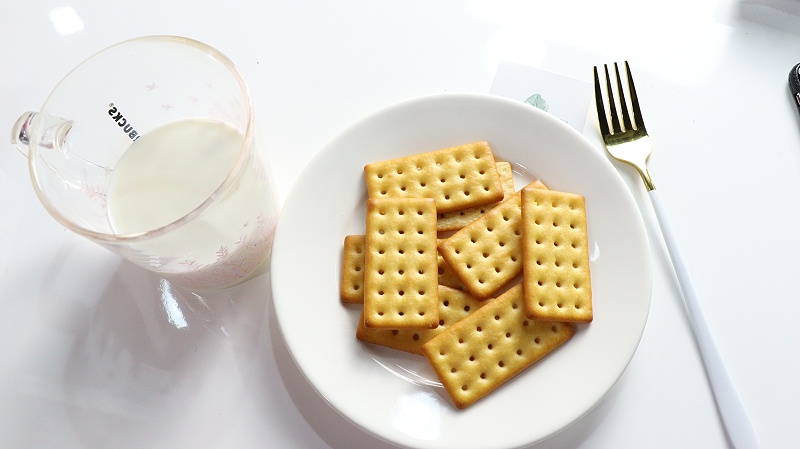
(612, 110)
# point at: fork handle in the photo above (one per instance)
(734, 417)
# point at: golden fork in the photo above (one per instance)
(628, 142)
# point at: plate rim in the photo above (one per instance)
(434, 99)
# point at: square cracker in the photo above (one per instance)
(555, 253)
(484, 350)
(455, 220)
(400, 276)
(454, 305)
(456, 177)
(351, 289)
(487, 253)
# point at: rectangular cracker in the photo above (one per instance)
(446, 275)
(455, 220)
(555, 254)
(400, 276)
(454, 305)
(456, 177)
(351, 289)
(484, 350)
(486, 254)
(352, 283)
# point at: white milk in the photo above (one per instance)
(169, 172)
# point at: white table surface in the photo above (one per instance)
(88, 358)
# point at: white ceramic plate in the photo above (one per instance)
(396, 396)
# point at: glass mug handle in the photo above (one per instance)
(54, 132)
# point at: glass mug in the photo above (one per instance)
(149, 149)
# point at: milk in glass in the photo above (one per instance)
(168, 174)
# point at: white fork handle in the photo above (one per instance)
(734, 416)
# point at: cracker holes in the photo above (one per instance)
(415, 337)
(553, 328)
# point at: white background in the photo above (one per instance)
(89, 358)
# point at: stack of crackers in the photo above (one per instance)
(459, 267)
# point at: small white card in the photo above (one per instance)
(564, 97)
